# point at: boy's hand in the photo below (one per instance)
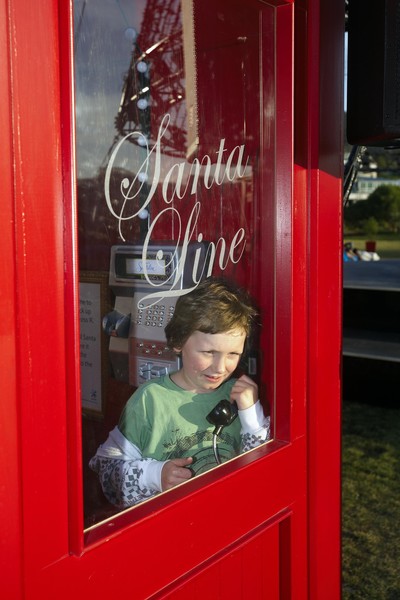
(175, 472)
(244, 392)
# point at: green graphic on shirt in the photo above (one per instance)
(199, 446)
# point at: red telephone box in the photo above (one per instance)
(239, 141)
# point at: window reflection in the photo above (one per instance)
(168, 134)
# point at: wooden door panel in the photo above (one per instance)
(248, 569)
(193, 532)
(247, 518)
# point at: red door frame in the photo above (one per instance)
(40, 458)
(325, 52)
(10, 494)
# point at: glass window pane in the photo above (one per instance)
(171, 114)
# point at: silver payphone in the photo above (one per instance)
(146, 284)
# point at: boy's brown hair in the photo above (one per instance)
(215, 306)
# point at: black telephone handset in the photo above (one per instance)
(223, 414)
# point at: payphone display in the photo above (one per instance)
(147, 282)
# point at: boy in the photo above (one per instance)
(163, 437)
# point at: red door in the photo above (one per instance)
(228, 138)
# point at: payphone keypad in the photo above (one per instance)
(149, 355)
(154, 316)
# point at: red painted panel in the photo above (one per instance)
(10, 488)
(39, 265)
(181, 535)
(249, 569)
(326, 31)
(41, 406)
(72, 334)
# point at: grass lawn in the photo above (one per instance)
(371, 502)
(387, 244)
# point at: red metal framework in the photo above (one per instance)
(156, 77)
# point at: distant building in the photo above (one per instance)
(367, 180)
(365, 184)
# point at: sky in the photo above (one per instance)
(103, 50)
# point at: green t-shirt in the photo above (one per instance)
(164, 422)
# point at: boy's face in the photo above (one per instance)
(209, 359)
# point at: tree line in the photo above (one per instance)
(381, 210)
